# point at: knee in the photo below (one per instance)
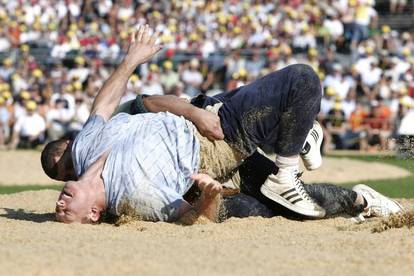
(307, 77)
(305, 72)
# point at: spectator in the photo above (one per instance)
(58, 55)
(336, 127)
(29, 130)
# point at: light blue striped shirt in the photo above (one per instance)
(151, 158)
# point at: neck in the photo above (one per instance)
(93, 178)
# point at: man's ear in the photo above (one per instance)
(95, 214)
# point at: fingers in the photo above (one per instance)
(198, 176)
(146, 34)
(207, 184)
(212, 189)
(154, 37)
(133, 36)
(218, 133)
(140, 33)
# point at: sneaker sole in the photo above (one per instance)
(316, 165)
(266, 191)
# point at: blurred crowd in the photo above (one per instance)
(57, 54)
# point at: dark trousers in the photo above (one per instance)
(253, 173)
(276, 110)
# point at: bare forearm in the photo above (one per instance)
(111, 92)
(141, 49)
(171, 104)
(207, 123)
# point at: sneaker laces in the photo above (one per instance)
(299, 187)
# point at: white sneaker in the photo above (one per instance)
(311, 151)
(377, 204)
(288, 191)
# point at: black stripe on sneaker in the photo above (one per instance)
(296, 200)
(316, 134)
(292, 196)
(288, 191)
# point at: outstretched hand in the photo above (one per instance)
(143, 46)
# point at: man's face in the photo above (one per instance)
(73, 204)
(64, 164)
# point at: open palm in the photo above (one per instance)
(143, 46)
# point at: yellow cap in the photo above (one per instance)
(172, 28)
(31, 105)
(25, 95)
(79, 60)
(22, 28)
(7, 95)
(25, 48)
(406, 51)
(385, 29)
(123, 35)
(353, 3)
(337, 106)
(153, 67)
(37, 25)
(156, 14)
(330, 91)
(406, 101)
(52, 26)
(313, 52)
(242, 72)
(244, 20)
(94, 26)
(168, 64)
(7, 61)
(73, 27)
(6, 87)
(69, 88)
(194, 36)
(166, 38)
(37, 73)
(134, 78)
(321, 75)
(70, 34)
(235, 75)
(77, 85)
(237, 30)
(369, 50)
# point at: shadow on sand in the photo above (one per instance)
(21, 214)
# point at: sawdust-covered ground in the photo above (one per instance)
(32, 243)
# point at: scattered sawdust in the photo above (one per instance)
(32, 243)
(218, 159)
(396, 221)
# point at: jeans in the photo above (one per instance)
(277, 110)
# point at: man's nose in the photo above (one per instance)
(60, 203)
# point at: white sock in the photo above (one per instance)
(287, 163)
